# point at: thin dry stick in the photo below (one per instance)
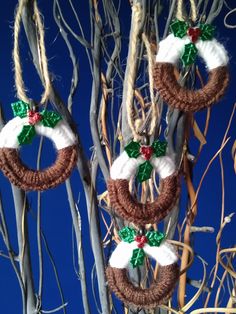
(187, 233)
(224, 142)
(103, 119)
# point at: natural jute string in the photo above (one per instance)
(154, 112)
(179, 10)
(19, 83)
(134, 124)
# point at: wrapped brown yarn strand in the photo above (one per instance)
(29, 179)
(171, 49)
(189, 100)
(158, 293)
(127, 207)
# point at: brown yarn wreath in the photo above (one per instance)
(159, 291)
(28, 179)
(127, 207)
(185, 99)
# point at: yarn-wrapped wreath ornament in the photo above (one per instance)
(132, 249)
(21, 130)
(145, 159)
(186, 42)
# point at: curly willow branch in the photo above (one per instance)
(20, 86)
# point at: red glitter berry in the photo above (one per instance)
(141, 241)
(34, 117)
(146, 151)
(194, 33)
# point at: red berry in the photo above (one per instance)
(194, 33)
(34, 117)
(141, 241)
(146, 151)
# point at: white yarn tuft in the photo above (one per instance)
(165, 254)
(164, 166)
(213, 53)
(125, 167)
(61, 135)
(120, 258)
(171, 48)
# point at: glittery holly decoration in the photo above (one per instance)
(190, 54)
(179, 28)
(207, 31)
(159, 148)
(47, 118)
(20, 109)
(135, 149)
(127, 234)
(203, 32)
(50, 118)
(144, 171)
(152, 238)
(155, 238)
(26, 135)
(137, 258)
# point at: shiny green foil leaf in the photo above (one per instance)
(207, 31)
(133, 149)
(144, 171)
(20, 109)
(159, 148)
(26, 135)
(179, 28)
(155, 238)
(137, 258)
(127, 234)
(50, 118)
(190, 54)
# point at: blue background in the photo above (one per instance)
(56, 218)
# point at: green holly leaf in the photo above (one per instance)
(207, 31)
(190, 54)
(155, 238)
(159, 148)
(179, 28)
(127, 234)
(50, 118)
(20, 109)
(144, 171)
(133, 149)
(137, 258)
(26, 135)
